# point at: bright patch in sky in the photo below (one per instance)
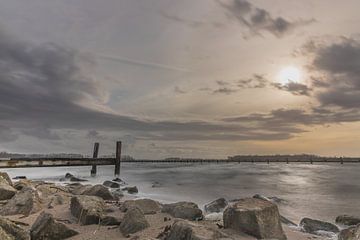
(289, 74)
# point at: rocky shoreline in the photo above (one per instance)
(39, 210)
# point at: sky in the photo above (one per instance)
(205, 78)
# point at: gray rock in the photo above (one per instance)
(111, 184)
(131, 190)
(6, 191)
(147, 206)
(184, 210)
(351, 233)
(72, 178)
(11, 231)
(217, 205)
(347, 220)
(256, 217)
(56, 200)
(110, 221)
(46, 228)
(313, 226)
(78, 188)
(184, 230)
(5, 176)
(99, 191)
(25, 202)
(133, 221)
(87, 209)
(118, 193)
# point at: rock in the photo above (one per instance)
(184, 210)
(184, 230)
(19, 177)
(9, 230)
(133, 221)
(46, 228)
(99, 191)
(56, 200)
(118, 193)
(6, 191)
(25, 202)
(22, 184)
(110, 221)
(351, 233)
(347, 220)
(147, 206)
(5, 176)
(87, 209)
(131, 190)
(256, 217)
(111, 184)
(72, 178)
(313, 226)
(156, 185)
(78, 188)
(216, 206)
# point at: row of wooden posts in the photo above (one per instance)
(117, 159)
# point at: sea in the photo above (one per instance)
(320, 191)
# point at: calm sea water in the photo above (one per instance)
(318, 191)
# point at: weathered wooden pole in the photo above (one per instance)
(95, 155)
(118, 159)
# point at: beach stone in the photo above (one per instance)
(5, 176)
(110, 221)
(111, 184)
(6, 191)
(347, 220)
(133, 221)
(22, 184)
(19, 177)
(56, 200)
(185, 230)
(184, 210)
(313, 226)
(46, 228)
(216, 206)
(9, 230)
(70, 177)
(256, 217)
(118, 193)
(78, 188)
(25, 202)
(87, 209)
(351, 233)
(147, 206)
(131, 190)
(99, 191)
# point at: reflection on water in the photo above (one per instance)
(320, 191)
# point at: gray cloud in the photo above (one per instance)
(294, 88)
(256, 81)
(337, 63)
(225, 90)
(258, 20)
(191, 23)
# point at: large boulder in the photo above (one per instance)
(216, 206)
(185, 230)
(46, 228)
(10, 231)
(77, 188)
(147, 206)
(25, 202)
(6, 191)
(184, 210)
(347, 220)
(351, 233)
(314, 226)
(72, 178)
(133, 221)
(5, 176)
(256, 217)
(99, 191)
(87, 209)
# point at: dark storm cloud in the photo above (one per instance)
(338, 64)
(47, 88)
(258, 20)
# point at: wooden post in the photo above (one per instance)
(118, 159)
(95, 155)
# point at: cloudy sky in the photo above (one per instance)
(205, 78)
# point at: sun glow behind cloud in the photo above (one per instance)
(289, 74)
